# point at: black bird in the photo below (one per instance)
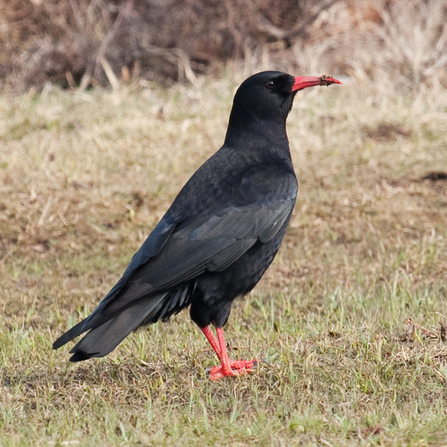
(218, 237)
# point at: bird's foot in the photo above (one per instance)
(235, 368)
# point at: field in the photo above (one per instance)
(350, 320)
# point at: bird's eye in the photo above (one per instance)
(270, 84)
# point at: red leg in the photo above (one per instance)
(210, 337)
(228, 367)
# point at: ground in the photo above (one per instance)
(350, 320)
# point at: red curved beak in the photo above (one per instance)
(311, 81)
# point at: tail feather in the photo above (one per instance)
(105, 338)
(107, 331)
(70, 335)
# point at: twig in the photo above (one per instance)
(45, 211)
(411, 322)
(109, 73)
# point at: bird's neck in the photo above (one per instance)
(258, 133)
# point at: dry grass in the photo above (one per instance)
(350, 318)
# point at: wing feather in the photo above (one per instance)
(213, 245)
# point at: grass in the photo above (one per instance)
(350, 319)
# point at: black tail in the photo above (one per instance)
(71, 334)
(107, 331)
(104, 336)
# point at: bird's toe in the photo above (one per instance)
(235, 368)
(244, 364)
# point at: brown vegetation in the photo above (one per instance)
(90, 42)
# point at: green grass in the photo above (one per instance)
(350, 320)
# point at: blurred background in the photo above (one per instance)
(98, 42)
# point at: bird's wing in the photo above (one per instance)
(211, 245)
(185, 244)
(150, 248)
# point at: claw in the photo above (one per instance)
(235, 368)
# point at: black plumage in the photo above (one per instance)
(219, 235)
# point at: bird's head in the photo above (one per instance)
(269, 95)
